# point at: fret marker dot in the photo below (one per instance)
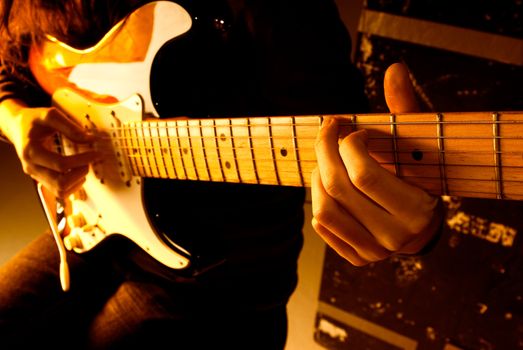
(222, 137)
(417, 155)
(227, 165)
(185, 151)
(283, 152)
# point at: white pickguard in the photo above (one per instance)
(122, 80)
(111, 200)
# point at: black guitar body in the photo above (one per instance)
(211, 72)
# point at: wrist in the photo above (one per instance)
(430, 237)
(9, 111)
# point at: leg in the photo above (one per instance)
(147, 314)
(33, 307)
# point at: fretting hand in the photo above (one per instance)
(361, 210)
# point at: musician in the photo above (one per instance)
(242, 58)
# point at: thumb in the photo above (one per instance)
(399, 92)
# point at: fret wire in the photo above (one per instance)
(497, 157)
(218, 149)
(134, 165)
(136, 138)
(234, 152)
(140, 148)
(203, 150)
(162, 151)
(190, 150)
(441, 156)
(179, 146)
(154, 152)
(394, 143)
(171, 156)
(273, 153)
(253, 157)
(296, 154)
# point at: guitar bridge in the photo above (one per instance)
(103, 121)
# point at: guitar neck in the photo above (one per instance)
(460, 154)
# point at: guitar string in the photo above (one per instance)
(144, 150)
(508, 194)
(219, 165)
(230, 123)
(211, 177)
(308, 138)
(161, 125)
(197, 171)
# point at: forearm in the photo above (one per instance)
(16, 93)
(7, 88)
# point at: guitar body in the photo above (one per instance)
(156, 64)
(100, 87)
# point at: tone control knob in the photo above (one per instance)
(76, 220)
(73, 241)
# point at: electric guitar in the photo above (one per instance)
(106, 89)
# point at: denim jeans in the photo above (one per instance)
(111, 306)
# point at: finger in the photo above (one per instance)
(41, 156)
(56, 120)
(336, 183)
(399, 92)
(332, 172)
(400, 199)
(342, 248)
(75, 187)
(60, 184)
(333, 218)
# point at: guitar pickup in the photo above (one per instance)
(103, 121)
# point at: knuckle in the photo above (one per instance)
(28, 153)
(47, 114)
(358, 262)
(333, 186)
(27, 168)
(363, 179)
(61, 193)
(414, 227)
(61, 165)
(379, 255)
(316, 224)
(393, 245)
(61, 183)
(324, 218)
(349, 141)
